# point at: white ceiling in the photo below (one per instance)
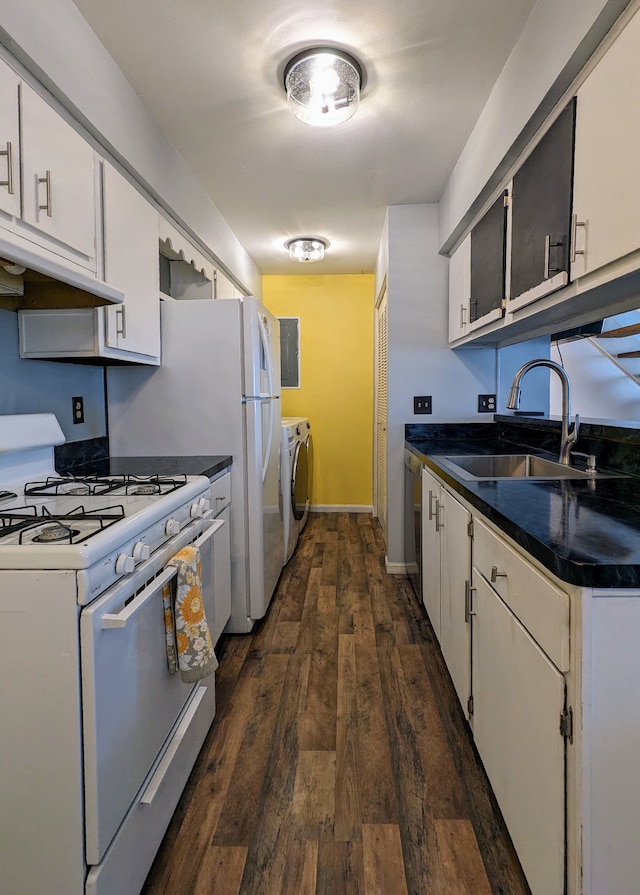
(211, 74)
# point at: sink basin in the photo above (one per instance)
(512, 466)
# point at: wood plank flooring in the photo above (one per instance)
(339, 761)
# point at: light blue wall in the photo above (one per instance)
(535, 387)
(35, 386)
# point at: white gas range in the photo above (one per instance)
(97, 737)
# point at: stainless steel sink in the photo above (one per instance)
(513, 466)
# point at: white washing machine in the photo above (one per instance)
(295, 479)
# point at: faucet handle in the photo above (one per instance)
(591, 461)
(575, 431)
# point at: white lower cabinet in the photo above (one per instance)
(431, 540)
(504, 631)
(553, 671)
(446, 565)
(220, 495)
(518, 697)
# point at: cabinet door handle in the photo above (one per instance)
(548, 245)
(122, 329)
(463, 315)
(468, 610)
(431, 505)
(575, 223)
(48, 204)
(9, 181)
(495, 574)
(439, 514)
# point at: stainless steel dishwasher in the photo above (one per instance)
(413, 521)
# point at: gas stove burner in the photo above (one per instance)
(8, 495)
(153, 484)
(77, 490)
(148, 488)
(56, 532)
(48, 528)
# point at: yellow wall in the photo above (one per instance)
(336, 378)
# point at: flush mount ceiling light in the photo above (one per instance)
(306, 248)
(323, 86)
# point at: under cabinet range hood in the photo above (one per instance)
(29, 280)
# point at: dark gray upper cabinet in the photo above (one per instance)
(541, 212)
(488, 256)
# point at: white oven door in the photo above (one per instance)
(130, 701)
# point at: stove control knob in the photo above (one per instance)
(141, 551)
(200, 508)
(125, 564)
(172, 527)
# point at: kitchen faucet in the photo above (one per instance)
(568, 438)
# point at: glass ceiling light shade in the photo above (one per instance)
(306, 248)
(323, 86)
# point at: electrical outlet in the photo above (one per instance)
(77, 405)
(486, 403)
(422, 404)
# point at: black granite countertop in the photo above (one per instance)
(207, 465)
(584, 531)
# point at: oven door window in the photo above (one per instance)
(130, 703)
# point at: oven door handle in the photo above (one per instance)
(120, 619)
(216, 524)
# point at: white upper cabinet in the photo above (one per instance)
(607, 173)
(57, 180)
(9, 142)
(460, 290)
(131, 264)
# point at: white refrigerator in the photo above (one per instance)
(217, 391)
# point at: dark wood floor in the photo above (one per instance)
(339, 761)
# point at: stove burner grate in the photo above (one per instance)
(52, 528)
(104, 484)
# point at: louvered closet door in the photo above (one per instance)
(380, 498)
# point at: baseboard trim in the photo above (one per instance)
(395, 568)
(339, 508)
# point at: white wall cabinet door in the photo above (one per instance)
(431, 565)
(455, 560)
(518, 699)
(9, 142)
(131, 264)
(606, 173)
(460, 290)
(57, 179)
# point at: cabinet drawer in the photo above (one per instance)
(220, 492)
(540, 606)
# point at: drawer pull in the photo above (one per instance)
(495, 574)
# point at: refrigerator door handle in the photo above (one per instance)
(266, 445)
(264, 338)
